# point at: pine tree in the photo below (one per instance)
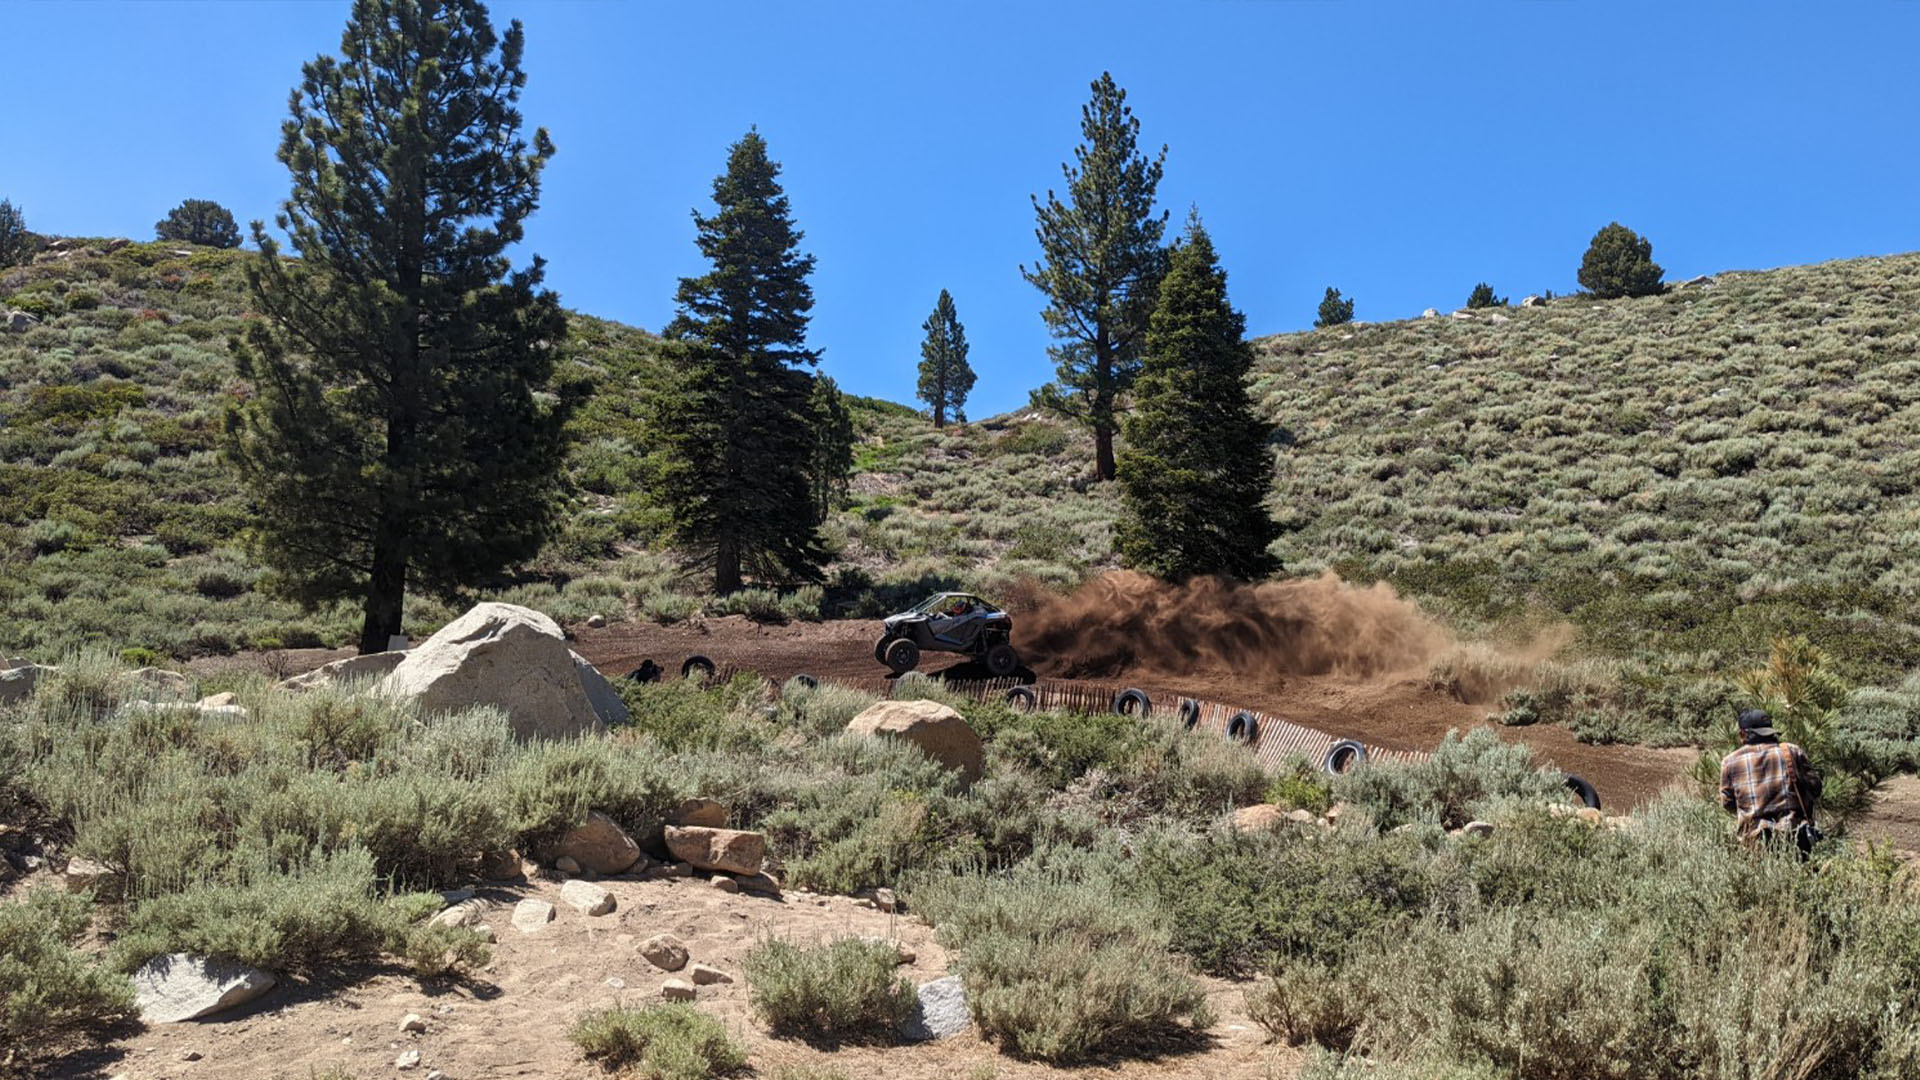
(1195, 467)
(396, 436)
(1333, 310)
(832, 446)
(1101, 263)
(945, 377)
(735, 436)
(16, 243)
(1619, 262)
(1482, 297)
(199, 221)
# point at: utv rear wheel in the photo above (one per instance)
(902, 656)
(1002, 661)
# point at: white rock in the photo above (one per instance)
(665, 952)
(413, 1022)
(703, 975)
(1477, 828)
(83, 873)
(408, 1059)
(531, 915)
(678, 990)
(179, 986)
(1430, 313)
(885, 900)
(502, 655)
(464, 913)
(596, 621)
(940, 1012)
(587, 897)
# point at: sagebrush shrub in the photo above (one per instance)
(50, 992)
(657, 1042)
(848, 989)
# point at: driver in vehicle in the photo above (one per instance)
(958, 607)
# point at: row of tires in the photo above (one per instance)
(1244, 727)
(648, 671)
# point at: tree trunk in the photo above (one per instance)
(939, 417)
(1102, 406)
(386, 597)
(726, 566)
(1103, 452)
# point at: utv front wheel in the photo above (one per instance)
(902, 656)
(880, 650)
(1002, 661)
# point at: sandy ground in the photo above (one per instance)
(511, 1020)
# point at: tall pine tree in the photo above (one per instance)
(1196, 466)
(945, 376)
(16, 243)
(395, 436)
(1100, 267)
(735, 434)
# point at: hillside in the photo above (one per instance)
(1680, 478)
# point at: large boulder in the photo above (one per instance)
(599, 845)
(941, 733)
(606, 700)
(16, 684)
(371, 666)
(730, 851)
(180, 986)
(502, 655)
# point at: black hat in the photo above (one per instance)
(1757, 722)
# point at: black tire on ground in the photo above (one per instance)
(880, 650)
(648, 671)
(902, 656)
(1189, 713)
(1022, 699)
(1243, 728)
(1131, 702)
(1002, 661)
(807, 681)
(1584, 790)
(699, 663)
(1343, 756)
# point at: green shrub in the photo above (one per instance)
(658, 1042)
(845, 990)
(1063, 967)
(551, 787)
(50, 992)
(1311, 1002)
(1449, 787)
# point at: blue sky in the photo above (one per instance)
(1400, 152)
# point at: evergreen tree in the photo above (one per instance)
(1333, 310)
(1482, 297)
(199, 221)
(395, 437)
(735, 434)
(832, 446)
(16, 243)
(1195, 467)
(945, 377)
(1101, 263)
(1619, 262)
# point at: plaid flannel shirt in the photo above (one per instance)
(1767, 785)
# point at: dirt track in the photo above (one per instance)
(1401, 713)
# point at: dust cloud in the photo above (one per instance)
(1130, 623)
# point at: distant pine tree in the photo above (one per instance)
(1482, 297)
(945, 376)
(199, 221)
(832, 446)
(1100, 267)
(735, 434)
(1619, 262)
(395, 437)
(1333, 310)
(16, 243)
(1195, 467)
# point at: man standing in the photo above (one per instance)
(1769, 786)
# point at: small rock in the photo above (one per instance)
(530, 915)
(1301, 817)
(83, 873)
(885, 900)
(180, 986)
(413, 1022)
(464, 913)
(1477, 828)
(733, 851)
(940, 1012)
(706, 813)
(587, 897)
(665, 952)
(436, 1074)
(566, 864)
(680, 869)
(903, 954)
(763, 883)
(1591, 816)
(678, 990)
(724, 883)
(191, 1055)
(704, 975)
(1430, 313)
(1334, 811)
(616, 982)
(220, 700)
(1258, 818)
(501, 866)
(408, 1059)
(596, 621)
(455, 896)
(597, 844)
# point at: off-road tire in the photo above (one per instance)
(1243, 728)
(1132, 702)
(806, 682)
(1342, 756)
(880, 650)
(1189, 713)
(1022, 699)
(902, 656)
(1586, 792)
(1002, 661)
(698, 663)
